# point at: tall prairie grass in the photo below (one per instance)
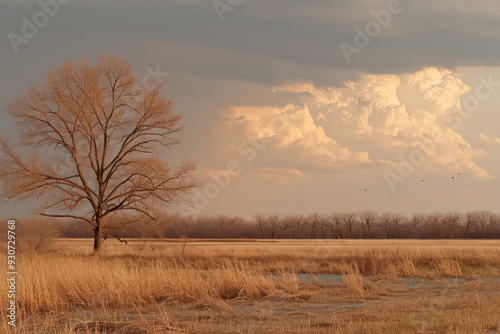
(456, 258)
(65, 278)
(54, 283)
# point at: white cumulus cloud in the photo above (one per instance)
(378, 118)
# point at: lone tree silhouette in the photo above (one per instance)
(95, 140)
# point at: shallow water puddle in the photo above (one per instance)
(407, 282)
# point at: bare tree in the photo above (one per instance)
(482, 220)
(451, 222)
(107, 135)
(469, 222)
(324, 226)
(283, 225)
(314, 221)
(489, 223)
(431, 223)
(274, 222)
(297, 223)
(389, 222)
(416, 221)
(335, 224)
(260, 221)
(368, 220)
(349, 220)
(221, 224)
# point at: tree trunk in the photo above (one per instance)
(465, 232)
(97, 238)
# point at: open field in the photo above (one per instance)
(253, 286)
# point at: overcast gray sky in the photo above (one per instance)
(346, 126)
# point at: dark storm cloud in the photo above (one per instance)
(268, 42)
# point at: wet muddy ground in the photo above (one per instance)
(405, 305)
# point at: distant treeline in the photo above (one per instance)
(337, 225)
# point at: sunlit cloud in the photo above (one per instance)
(378, 118)
(494, 141)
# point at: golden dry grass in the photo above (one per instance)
(137, 288)
(383, 258)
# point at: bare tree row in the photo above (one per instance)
(337, 225)
(371, 224)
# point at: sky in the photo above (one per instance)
(295, 106)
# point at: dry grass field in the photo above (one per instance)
(259, 286)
